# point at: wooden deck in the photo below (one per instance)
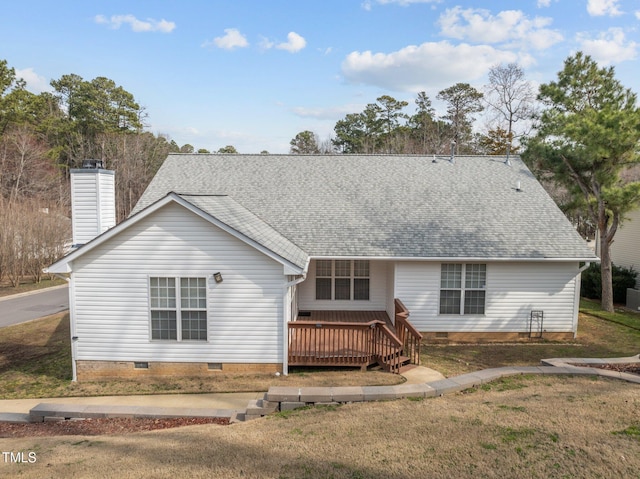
(346, 316)
(347, 338)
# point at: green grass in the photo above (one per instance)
(620, 316)
(632, 432)
(596, 338)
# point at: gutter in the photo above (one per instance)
(454, 259)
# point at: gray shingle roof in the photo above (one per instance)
(234, 215)
(384, 205)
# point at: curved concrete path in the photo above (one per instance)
(420, 382)
(291, 398)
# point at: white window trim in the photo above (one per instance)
(178, 309)
(352, 277)
(463, 290)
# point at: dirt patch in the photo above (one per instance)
(99, 427)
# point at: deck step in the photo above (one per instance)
(403, 361)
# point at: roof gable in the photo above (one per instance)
(395, 206)
(221, 211)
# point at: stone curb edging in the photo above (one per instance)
(292, 398)
(51, 411)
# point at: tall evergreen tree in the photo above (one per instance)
(589, 133)
(463, 101)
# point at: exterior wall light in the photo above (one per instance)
(218, 277)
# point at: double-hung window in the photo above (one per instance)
(462, 288)
(342, 279)
(178, 308)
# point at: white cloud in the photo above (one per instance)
(150, 25)
(509, 26)
(294, 43)
(426, 67)
(35, 83)
(609, 47)
(543, 3)
(231, 39)
(638, 14)
(266, 44)
(327, 113)
(599, 8)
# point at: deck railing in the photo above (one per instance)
(326, 343)
(408, 335)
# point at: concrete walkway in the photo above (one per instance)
(420, 382)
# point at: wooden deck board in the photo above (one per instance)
(347, 316)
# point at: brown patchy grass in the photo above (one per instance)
(596, 338)
(35, 362)
(536, 426)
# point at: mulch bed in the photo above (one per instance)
(633, 368)
(97, 427)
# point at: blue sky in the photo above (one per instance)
(254, 73)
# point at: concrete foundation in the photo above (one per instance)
(96, 370)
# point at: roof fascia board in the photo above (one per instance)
(434, 259)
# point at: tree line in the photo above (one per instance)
(579, 134)
(384, 126)
(42, 137)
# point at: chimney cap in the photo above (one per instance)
(92, 164)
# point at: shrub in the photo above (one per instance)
(623, 278)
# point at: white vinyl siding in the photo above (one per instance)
(358, 277)
(625, 250)
(512, 291)
(93, 199)
(112, 304)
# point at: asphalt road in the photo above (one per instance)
(33, 306)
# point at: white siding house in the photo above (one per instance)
(223, 251)
(625, 250)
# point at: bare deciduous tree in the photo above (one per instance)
(510, 97)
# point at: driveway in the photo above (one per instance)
(33, 305)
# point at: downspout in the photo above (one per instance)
(72, 327)
(285, 327)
